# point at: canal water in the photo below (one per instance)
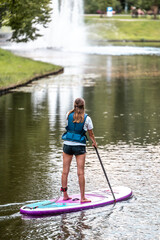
(122, 94)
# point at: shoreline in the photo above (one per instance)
(6, 90)
(127, 40)
(18, 71)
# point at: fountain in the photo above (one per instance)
(66, 32)
(66, 29)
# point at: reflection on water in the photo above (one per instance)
(122, 97)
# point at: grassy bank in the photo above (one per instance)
(123, 28)
(15, 70)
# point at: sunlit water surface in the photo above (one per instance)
(122, 98)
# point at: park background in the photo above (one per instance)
(114, 65)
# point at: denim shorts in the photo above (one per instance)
(74, 150)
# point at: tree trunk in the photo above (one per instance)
(155, 11)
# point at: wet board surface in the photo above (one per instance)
(98, 198)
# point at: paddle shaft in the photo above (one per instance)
(105, 174)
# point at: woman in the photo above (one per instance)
(75, 144)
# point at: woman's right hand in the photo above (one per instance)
(94, 144)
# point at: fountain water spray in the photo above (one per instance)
(66, 29)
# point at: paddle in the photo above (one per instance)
(105, 174)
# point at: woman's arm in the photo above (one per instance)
(91, 135)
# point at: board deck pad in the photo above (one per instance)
(98, 198)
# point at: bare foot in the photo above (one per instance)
(65, 199)
(85, 200)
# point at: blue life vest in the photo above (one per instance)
(75, 131)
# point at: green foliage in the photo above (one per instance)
(24, 16)
(102, 4)
(147, 4)
(93, 5)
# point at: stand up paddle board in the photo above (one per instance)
(98, 198)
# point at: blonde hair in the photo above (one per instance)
(78, 110)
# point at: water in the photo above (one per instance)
(122, 97)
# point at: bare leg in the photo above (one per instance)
(80, 171)
(66, 166)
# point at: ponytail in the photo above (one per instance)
(78, 110)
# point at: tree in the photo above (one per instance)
(102, 4)
(90, 6)
(24, 16)
(153, 5)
